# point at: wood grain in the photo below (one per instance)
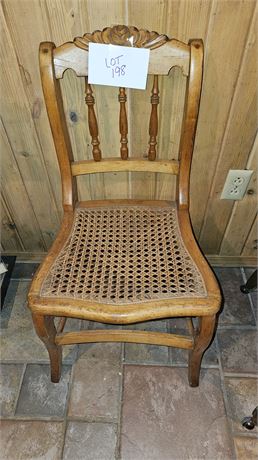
(243, 212)
(21, 216)
(229, 23)
(226, 111)
(240, 132)
(132, 164)
(251, 243)
(123, 124)
(10, 239)
(24, 140)
(34, 32)
(65, 20)
(127, 336)
(185, 20)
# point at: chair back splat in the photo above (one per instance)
(124, 261)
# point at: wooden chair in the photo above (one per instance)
(124, 261)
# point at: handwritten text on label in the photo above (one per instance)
(113, 64)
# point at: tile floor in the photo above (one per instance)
(129, 402)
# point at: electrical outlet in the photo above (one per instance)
(236, 184)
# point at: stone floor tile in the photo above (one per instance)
(100, 351)
(31, 440)
(90, 441)
(242, 399)
(179, 356)
(238, 350)
(236, 307)
(164, 418)
(147, 354)
(24, 270)
(96, 383)
(39, 396)
(19, 341)
(8, 304)
(10, 381)
(246, 448)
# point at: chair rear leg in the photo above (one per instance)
(46, 331)
(201, 342)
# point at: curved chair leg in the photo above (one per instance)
(46, 331)
(201, 342)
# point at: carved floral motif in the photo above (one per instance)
(122, 35)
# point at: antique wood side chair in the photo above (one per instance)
(124, 261)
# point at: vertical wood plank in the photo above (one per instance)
(238, 138)
(65, 20)
(17, 200)
(185, 21)
(243, 212)
(229, 25)
(23, 34)
(24, 141)
(251, 244)
(10, 239)
(149, 15)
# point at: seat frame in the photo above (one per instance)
(164, 55)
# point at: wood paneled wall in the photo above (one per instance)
(31, 210)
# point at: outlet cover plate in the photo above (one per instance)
(236, 184)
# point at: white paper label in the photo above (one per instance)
(118, 65)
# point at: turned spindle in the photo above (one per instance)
(123, 125)
(92, 120)
(153, 126)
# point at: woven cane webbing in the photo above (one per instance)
(124, 254)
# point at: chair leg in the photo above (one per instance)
(202, 340)
(46, 331)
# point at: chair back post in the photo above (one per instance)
(192, 103)
(56, 115)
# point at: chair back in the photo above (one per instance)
(165, 54)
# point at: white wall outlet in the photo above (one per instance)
(236, 184)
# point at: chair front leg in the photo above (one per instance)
(202, 340)
(46, 331)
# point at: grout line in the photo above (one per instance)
(22, 279)
(98, 419)
(44, 362)
(241, 375)
(121, 394)
(248, 295)
(20, 387)
(225, 400)
(32, 418)
(177, 365)
(66, 409)
(251, 434)
(244, 327)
